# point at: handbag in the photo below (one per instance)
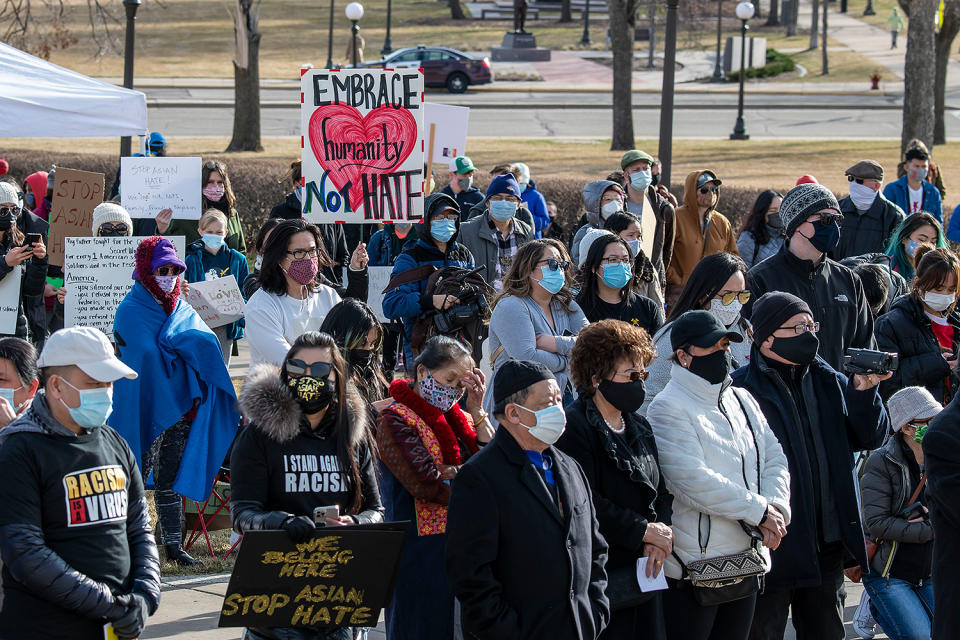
(623, 590)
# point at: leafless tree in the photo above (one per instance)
(246, 77)
(944, 43)
(622, 22)
(919, 82)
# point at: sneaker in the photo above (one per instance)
(863, 623)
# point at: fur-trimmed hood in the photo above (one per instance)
(273, 410)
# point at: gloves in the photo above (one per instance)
(130, 624)
(300, 528)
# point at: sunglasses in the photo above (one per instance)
(296, 367)
(210, 164)
(168, 270)
(8, 211)
(708, 188)
(554, 264)
(634, 375)
(113, 228)
(826, 219)
(728, 298)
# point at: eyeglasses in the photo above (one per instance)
(802, 328)
(300, 254)
(826, 219)
(633, 374)
(168, 270)
(8, 211)
(298, 368)
(106, 227)
(554, 264)
(708, 188)
(445, 216)
(616, 260)
(728, 298)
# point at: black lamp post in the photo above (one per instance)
(330, 40)
(354, 12)
(130, 6)
(869, 10)
(387, 48)
(744, 12)
(585, 40)
(666, 94)
(718, 68)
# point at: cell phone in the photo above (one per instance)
(31, 238)
(320, 514)
(908, 511)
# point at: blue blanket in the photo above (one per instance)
(179, 361)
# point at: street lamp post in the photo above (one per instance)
(130, 6)
(585, 40)
(330, 39)
(744, 12)
(387, 48)
(354, 12)
(666, 94)
(718, 68)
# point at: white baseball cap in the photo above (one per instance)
(87, 348)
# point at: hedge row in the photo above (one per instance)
(777, 63)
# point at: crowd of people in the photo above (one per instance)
(555, 413)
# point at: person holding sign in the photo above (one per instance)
(23, 269)
(217, 194)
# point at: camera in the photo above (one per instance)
(473, 305)
(868, 361)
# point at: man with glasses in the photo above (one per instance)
(811, 219)
(868, 217)
(820, 418)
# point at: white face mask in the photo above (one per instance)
(258, 263)
(862, 196)
(167, 283)
(726, 314)
(938, 301)
(610, 208)
(634, 246)
(551, 422)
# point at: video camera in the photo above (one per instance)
(473, 303)
(868, 361)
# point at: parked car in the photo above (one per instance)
(442, 67)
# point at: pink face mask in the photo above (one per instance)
(214, 193)
(303, 271)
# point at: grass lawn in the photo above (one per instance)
(845, 66)
(219, 540)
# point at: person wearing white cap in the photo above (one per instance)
(110, 219)
(75, 533)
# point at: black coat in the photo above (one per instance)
(941, 455)
(34, 308)
(849, 421)
(866, 232)
(907, 330)
(519, 569)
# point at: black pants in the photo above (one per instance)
(687, 620)
(817, 611)
(164, 459)
(392, 345)
(643, 621)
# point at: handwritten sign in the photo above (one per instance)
(149, 185)
(10, 301)
(379, 277)
(75, 195)
(362, 146)
(98, 273)
(340, 579)
(218, 302)
(450, 132)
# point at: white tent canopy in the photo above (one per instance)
(39, 99)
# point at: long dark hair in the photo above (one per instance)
(229, 200)
(349, 322)
(264, 231)
(706, 280)
(756, 222)
(272, 277)
(587, 278)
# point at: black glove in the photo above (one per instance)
(130, 624)
(300, 528)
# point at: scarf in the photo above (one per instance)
(144, 255)
(446, 426)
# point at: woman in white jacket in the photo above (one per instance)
(713, 443)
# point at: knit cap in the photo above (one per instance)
(111, 212)
(587, 241)
(771, 310)
(9, 194)
(911, 403)
(803, 201)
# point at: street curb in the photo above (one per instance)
(189, 582)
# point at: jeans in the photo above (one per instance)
(904, 611)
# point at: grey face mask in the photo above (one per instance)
(465, 183)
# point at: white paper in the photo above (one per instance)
(450, 134)
(379, 277)
(150, 185)
(218, 302)
(10, 300)
(649, 584)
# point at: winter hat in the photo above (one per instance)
(807, 179)
(802, 201)
(4, 167)
(911, 403)
(111, 212)
(635, 155)
(772, 310)
(587, 241)
(504, 184)
(515, 376)
(163, 253)
(9, 194)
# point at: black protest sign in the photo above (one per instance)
(342, 577)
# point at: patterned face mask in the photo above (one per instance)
(438, 394)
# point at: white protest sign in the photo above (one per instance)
(362, 145)
(379, 277)
(98, 273)
(149, 185)
(10, 301)
(218, 302)
(450, 134)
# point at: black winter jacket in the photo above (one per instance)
(907, 330)
(866, 232)
(33, 277)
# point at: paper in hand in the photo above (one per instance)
(649, 584)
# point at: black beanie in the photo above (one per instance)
(772, 310)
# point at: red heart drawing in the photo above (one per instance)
(342, 140)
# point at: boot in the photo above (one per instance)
(175, 553)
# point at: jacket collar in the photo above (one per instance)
(697, 386)
(802, 267)
(529, 476)
(625, 459)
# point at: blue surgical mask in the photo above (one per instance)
(634, 246)
(212, 240)
(442, 230)
(29, 200)
(96, 405)
(550, 425)
(552, 281)
(616, 276)
(502, 210)
(7, 394)
(912, 247)
(640, 180)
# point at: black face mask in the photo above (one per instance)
(801, 349)
(360, 358)
(826, 237)
(6, 221)
(655, 179)
(312, 394)
(624, 396)
(713, 368)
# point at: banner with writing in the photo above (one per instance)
(342, 577)
(450, 131)
(10, 300)
(218, 302)
(98, 273)
(150, 185)
(75, 195)
(362, 145)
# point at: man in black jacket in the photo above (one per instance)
(524, 556)
(820, 418)
(868, 218)
(810, 216)
(75, 536)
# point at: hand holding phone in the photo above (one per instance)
(320, 514)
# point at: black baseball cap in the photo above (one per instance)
(700, 329)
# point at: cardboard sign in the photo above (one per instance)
(450, 137)
(218, 302)
(150, 185)
(342, 577)
(379, 277)
(98, 273)
(10, 301)
(75, 195)
(362, 145)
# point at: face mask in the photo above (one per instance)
(465, 183)
(918, 174)
(610, 208)
(96, 405)
(30, 200)
(713, 368)
(7, 394)
(634, 246)
(441, 396)
(213, 194)
(921, 431)
(402, 230)
(551, 422)
(6, 221)
(502, 210)
(912, 247)
(552, 281)
(360, 358)
(774, 221)
(258, 262)
(641, 179)
(624, 396)
(166, 283)
(938, 301)
(655, 179)
(862, 195)
(312, 394)
(726, 314)
(825, 238)
(303, 271)
(801, 349)
(616, 276)
(442, 230)
(298, 191)
(212, 240)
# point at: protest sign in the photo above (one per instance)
(218, 302)
(75, 195)
(150, 185)
(362, 145)
(450, 130)
(341, 577)
(10, 301)
(378, 277)
(98, 273)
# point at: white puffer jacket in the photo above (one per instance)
(705, 447)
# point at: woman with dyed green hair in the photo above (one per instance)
(915, 230)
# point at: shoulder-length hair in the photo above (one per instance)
(934, 268)
(756, 222)
(900, 261)
(209, 167)
(272, 277)
(705, 282)
(349, 322)
(587, 278)
(517, 281)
